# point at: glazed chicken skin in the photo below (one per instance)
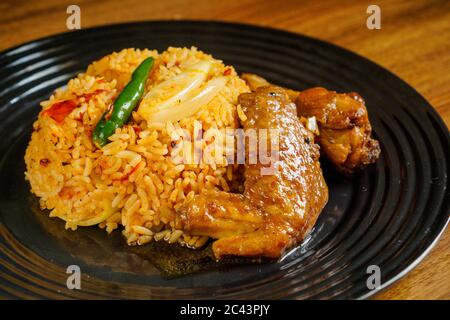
(275, 210)
(344, 127)
(345, 130)
(254, 82)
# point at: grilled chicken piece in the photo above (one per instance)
(344, 127)
(276, 210)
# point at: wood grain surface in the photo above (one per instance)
(413, 42)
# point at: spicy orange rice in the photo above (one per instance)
(132, 181)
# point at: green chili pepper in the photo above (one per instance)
(124, 104)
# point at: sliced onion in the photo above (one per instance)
(105, 214)
(184, 84)
(190, 107)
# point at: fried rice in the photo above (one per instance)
(132, 182)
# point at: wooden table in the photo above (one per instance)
(413, 42)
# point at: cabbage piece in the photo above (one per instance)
(102, 216)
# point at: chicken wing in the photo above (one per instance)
(276, 210)
(345, 130)
(344, 127)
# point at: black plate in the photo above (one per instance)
(390, 215)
